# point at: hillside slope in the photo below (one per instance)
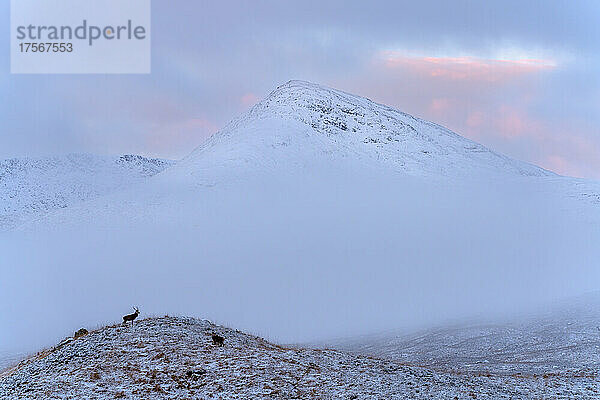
(559, 338)
(165, 358)
(30, 187)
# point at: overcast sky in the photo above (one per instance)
(520, 77)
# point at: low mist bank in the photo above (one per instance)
(297, 260)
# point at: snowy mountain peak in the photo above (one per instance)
(296, 90)
(301, 123)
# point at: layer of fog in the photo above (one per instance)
(298, 258)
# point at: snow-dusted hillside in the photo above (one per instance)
(301, 123)
(166, 358)
(557, 339)
(32, 186)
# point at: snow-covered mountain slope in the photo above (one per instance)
(167, 358)
(31, 186)
(305, 130)
(564, 337)
(301, 123)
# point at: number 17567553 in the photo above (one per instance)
(46, 47)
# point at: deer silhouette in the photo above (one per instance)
(218, 340)
(131, 317)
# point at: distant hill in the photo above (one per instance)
(562, 337)
(30, 187)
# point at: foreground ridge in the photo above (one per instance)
(169, 357)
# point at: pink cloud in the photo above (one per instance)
(493, 102)
(439, 106)
(475, 119)
(559, 148)
(557, 163)
(465, 68)
(511, 123)
(249, 99)
(566, 166)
